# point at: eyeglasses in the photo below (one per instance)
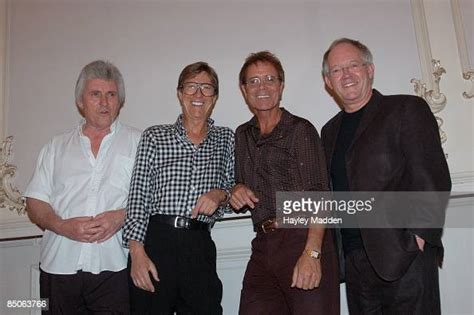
(352, 67)
(268, 80)
(191, 88)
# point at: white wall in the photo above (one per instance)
(456, 277)
(459, 113)
(151, 41)
(3, 59)
(19, 273)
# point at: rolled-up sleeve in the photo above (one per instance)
(228, 181)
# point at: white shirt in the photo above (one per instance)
(75, 183)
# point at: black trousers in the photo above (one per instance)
(416, 292)
(186, 264)
(86, 293)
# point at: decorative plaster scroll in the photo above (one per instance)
(434, 97)
(467, 67)
(428, 88)
(10, 197)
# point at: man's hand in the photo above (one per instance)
(76, 229)
(142, 266)
(420, 242)
(242, 196)
(82, 229)
(208, 202)
(42, 214)
(106, 224)
(307, 273)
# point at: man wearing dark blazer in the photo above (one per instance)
(385, 143)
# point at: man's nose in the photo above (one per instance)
(198, 92)
(104, 99)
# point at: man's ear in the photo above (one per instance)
(243, 91)
(328, 82)
(179, 94)
(80, 108)
(371, 71)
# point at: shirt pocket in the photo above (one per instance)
(121, 172)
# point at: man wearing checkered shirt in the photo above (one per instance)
(180, 186)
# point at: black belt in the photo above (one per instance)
(180, 222)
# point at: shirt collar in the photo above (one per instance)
(280, 127)
(113, 128)
(181, 131)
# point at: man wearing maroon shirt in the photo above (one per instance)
(291, 271)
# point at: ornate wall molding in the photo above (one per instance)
(466, 66)
(10, 196)
(428, 87)
(13, 220)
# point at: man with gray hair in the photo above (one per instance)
(77, 195)
(385, 143)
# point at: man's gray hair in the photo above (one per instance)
(104, 70)
(366, 54)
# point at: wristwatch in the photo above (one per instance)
(228, 195)
(313, 253)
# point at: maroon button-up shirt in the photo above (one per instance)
(290, 158)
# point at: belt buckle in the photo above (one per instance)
(268, 224)
(181, 222)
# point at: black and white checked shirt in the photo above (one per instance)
(170, 174)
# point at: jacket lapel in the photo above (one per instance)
(331, 138)
(368, 116)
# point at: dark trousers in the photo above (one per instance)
(86, 293)
(266, 285)
(416, 292)
(186, 264)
